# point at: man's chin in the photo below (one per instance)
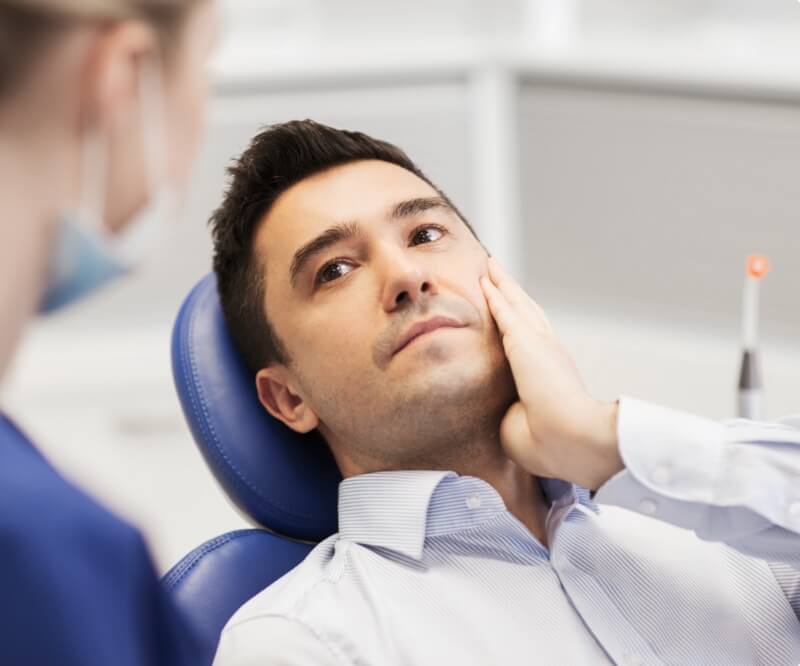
(446, 367)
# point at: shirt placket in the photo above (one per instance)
(569, 528)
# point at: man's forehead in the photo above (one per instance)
(362, 192)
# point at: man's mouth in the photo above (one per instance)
(423, 328)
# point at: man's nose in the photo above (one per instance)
(406, 282)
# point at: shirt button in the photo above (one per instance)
(473, 502)
(794, 511)
(629, 659)
(648, 507)
(661, 475)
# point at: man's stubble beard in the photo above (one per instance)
(441, 426)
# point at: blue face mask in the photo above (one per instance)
(78, 266)
(86, 257)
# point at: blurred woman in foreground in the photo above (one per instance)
(101, 109)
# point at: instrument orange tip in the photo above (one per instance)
(757, 266)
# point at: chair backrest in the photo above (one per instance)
(284, 482)
(216, 578)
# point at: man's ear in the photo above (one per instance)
(282, 402)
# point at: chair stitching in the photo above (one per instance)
(193, 558)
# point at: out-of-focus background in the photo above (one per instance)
(622, 157)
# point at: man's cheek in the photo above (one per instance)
(477, 297)
(340, 349)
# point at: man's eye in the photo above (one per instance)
(427, 234)
(333, 270)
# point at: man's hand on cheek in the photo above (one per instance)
(556, 429)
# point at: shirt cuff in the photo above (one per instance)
(672, 463)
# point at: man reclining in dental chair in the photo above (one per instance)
(491, 511)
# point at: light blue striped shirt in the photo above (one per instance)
(430, 568)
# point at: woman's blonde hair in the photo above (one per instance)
(28, 27)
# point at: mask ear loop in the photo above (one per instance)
(93, 186)
(153, 123)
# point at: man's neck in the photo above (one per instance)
(520, 491)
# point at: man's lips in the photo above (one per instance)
(423, 327)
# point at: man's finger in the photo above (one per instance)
(541, 316)
(501, 309)
(507, 285)
(529, 309)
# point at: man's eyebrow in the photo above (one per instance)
(331, 236)
(348, 230)
(412, 207)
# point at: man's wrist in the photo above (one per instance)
(603, 441)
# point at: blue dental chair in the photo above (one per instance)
(285, 483)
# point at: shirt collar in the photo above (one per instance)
(398, 510)
(562, 493)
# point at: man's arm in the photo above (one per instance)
(273, 640)
(726, 482)
(738, 482)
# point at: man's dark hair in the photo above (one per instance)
(278, 158)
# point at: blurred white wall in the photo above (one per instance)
(623, 156)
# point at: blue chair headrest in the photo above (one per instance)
(284, 481)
